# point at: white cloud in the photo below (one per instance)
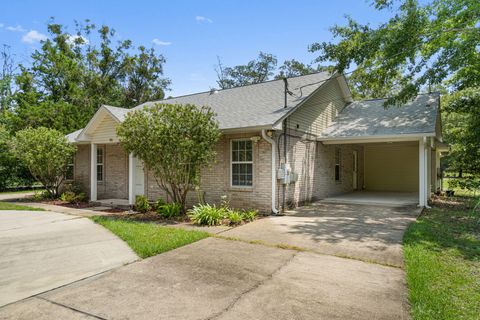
(73, 38)
(17, 28)
(203, 19)
(33, 36)
(159, 42)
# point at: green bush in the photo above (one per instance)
(40, 195)
(169, 210)
(249, 215)
(235, 217)
(205, 214)
(141, 204)
(72, 197)
(160, 202)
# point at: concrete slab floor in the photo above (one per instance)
(369, 233)
(394, 199)
(222, 279)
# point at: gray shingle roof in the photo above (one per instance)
(370, 118)
(119, 113)
(252, 105)
(71, 137)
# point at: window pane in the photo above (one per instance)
(241, 155)
(99, 155)
(248, 156)
(249, 169)
(234, 145)
(99, 173)
(235, 180)
(234, 155)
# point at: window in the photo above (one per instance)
(338, 157)
(69, 174)
(99, 164)
(242, 163)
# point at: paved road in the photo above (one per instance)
(224, 279)
(41, 250)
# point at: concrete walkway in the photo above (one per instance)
(223, 279)
(41, 250)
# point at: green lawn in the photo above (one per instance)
(442, 257)
(149, 239)
(10, 206)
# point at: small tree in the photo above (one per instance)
(46, 153)
(174, 142)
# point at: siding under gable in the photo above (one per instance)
(105, 132)
(319, 110)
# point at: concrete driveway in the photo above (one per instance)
(42, 250)
(364, 232)
(218, 278)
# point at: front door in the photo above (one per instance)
(355, 170)
(139, 178)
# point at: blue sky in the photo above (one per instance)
(191, 34)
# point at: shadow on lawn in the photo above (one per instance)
(449, 225)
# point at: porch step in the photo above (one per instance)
(112, 203)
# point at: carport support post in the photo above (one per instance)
(422, 171)
(93, 172)
(131, 167)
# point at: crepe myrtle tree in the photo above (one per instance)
(46, 153)
(174, 142)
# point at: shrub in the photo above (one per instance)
(141, 204)
(170, 210)
(46, 153)
(205, 214)
(41, 195)
(160, 202)
(249, 215)
(235, 217)
(72, 197)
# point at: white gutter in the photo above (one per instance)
(274, 169)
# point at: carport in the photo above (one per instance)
(401, 147)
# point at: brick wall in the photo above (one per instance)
(216, 178)
(115, 180)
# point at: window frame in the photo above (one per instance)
(71, 163)
(337, 164)
(241, 162)
(102, 164)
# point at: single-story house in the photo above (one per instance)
(282, 147)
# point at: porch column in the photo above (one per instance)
(131, 182)
(93, 172)
(423, 172)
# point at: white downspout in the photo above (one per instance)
(274, 169)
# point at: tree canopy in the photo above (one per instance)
(174, 142)
(428, 44)
(73, 74)
(46, 153)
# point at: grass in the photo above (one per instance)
(149, 239)
(442, 261)
(11, 206)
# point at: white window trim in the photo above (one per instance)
(241, 162)
(100, 164)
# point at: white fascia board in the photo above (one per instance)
(372, 139)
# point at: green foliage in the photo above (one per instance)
(174, 142)
(160, 202)
(249, 215)
(142, 204)
(40, 195)
(46, 153)
(461, 124)
(169, 210)
(73, 193)
(149, 239)
(69, 78)
(234, 217)
(205, 214)
(12, 172)
(421, 45)
(255, 71)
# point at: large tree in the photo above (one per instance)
(421, 45)
(74, 73)
(255, 71)
(174, 142)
